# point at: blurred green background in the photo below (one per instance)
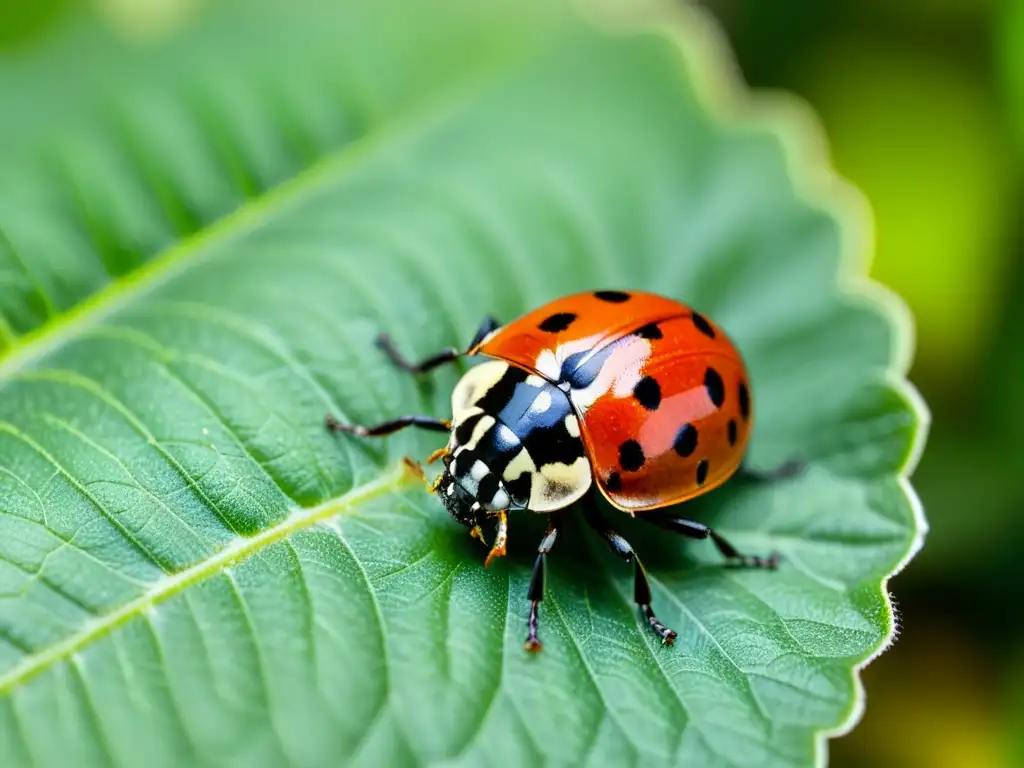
(923, 105)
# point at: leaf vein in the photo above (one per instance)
(261, 664)
(741, 675)
(249, 216)
(94, 712)
(112, 519)
(239, 549)
(78, 381)
(60, 423)
(385, 666)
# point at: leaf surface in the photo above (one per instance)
(197, 248)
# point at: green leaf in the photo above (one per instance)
(200, 241)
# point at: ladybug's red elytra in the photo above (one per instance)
(636, 394)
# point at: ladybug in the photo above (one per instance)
(633, 393)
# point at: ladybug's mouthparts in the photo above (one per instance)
(460, 504)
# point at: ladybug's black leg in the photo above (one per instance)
(440, 358)
(387, 427)
(446, 355)
(536, 591)
(788, 469)
(694, 530)
(488, 325)
(622, 548)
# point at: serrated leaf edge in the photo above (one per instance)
(722, 91)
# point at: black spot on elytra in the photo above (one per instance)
(614, 482)
(649, 331)
(715, 387)
(648, 393)
(488, 487)
(703, 325)
(702, 471)
(615, 297)
(732, 431)
(686, 440)
(744, 401)
(519, 489)
(557, 322)
(631, 456)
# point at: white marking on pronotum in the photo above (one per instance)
(548, 364)
(507, 436)
(522, 462)
(472, 386)
(541, 402)
(572, 425)
(479, 431)
(558, 485)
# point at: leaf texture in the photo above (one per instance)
(197, 248)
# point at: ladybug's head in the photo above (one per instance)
(460, 503)
(469, 489)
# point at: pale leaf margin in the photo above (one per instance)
(727, 99)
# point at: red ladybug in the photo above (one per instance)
(635, 391)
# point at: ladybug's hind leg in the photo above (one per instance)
(536, 591)
(446, 355)
(694, 530)
(784, 471)
(622, 548)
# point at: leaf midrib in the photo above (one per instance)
(238, 550)
(164, 266)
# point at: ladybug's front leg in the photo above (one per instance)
(387, 427)
(447, 355)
